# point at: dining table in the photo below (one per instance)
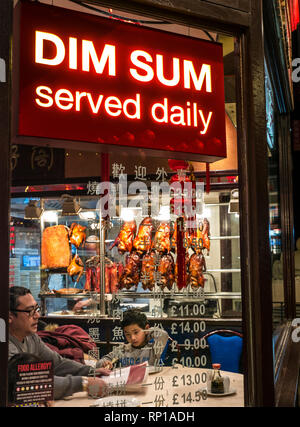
(168, 386)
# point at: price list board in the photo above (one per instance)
(184, 368)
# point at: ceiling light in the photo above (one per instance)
(164, 214)
(127, 214)
(87, 215)
(49, 216)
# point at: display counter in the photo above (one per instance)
(185, 280)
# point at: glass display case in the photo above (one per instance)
(130, 260)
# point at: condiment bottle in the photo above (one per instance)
(217, 381)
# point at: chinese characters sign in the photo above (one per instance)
(35, 164)
(91, 79)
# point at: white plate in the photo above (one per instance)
(154, 369)
(117, 402)
(228, 393)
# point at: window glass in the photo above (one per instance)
(186, 280)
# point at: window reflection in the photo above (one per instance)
(275, 231)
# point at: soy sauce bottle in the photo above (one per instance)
(217, 381)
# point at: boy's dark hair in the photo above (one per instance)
(14, 293)
(133, 316)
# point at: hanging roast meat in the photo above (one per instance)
(166, 270)
(124, 240)
(148, 270)
(56, 251)
(206, 234)
(77, 234)
(75, 268)
(88, 279)
(161, 242)
(186, 236)
(131, 274)
(107, 277)
(143, 240)
(199, 237)
(116, 274)
(195, 270)
(114, 278)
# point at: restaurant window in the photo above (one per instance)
(144, 253)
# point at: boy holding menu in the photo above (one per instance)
(144, 343)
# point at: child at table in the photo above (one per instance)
(144, 343)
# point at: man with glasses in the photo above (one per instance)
(69, 376)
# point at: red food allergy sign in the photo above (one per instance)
(33, 383)
(98, 80)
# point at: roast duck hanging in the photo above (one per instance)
(77, 234)
(124, 240)
(198, 238)
(143, 240)
(166, 270)
(150, 261)
(75, 268)
(131, 274)
(148, 270)
(162, 241)
(196, 267)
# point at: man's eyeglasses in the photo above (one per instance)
(30, 312)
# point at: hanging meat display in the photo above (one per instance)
(131, 274)
(141, 263)
(56, 252)
(113, 272)
(206, 234)
(148, 270)
(199, 237)
(143, 240)
(88, 279)
(182, 204)
(161, 242)
(91, 274)
(166, 270)
(196, 268)
(77, 234)
(124, 240)
(143, 248)
(75, 268)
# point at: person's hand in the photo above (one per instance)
(107, 365)
(102, 371)
(96, 387)
(80, 304)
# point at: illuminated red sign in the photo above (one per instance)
(92, 79)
